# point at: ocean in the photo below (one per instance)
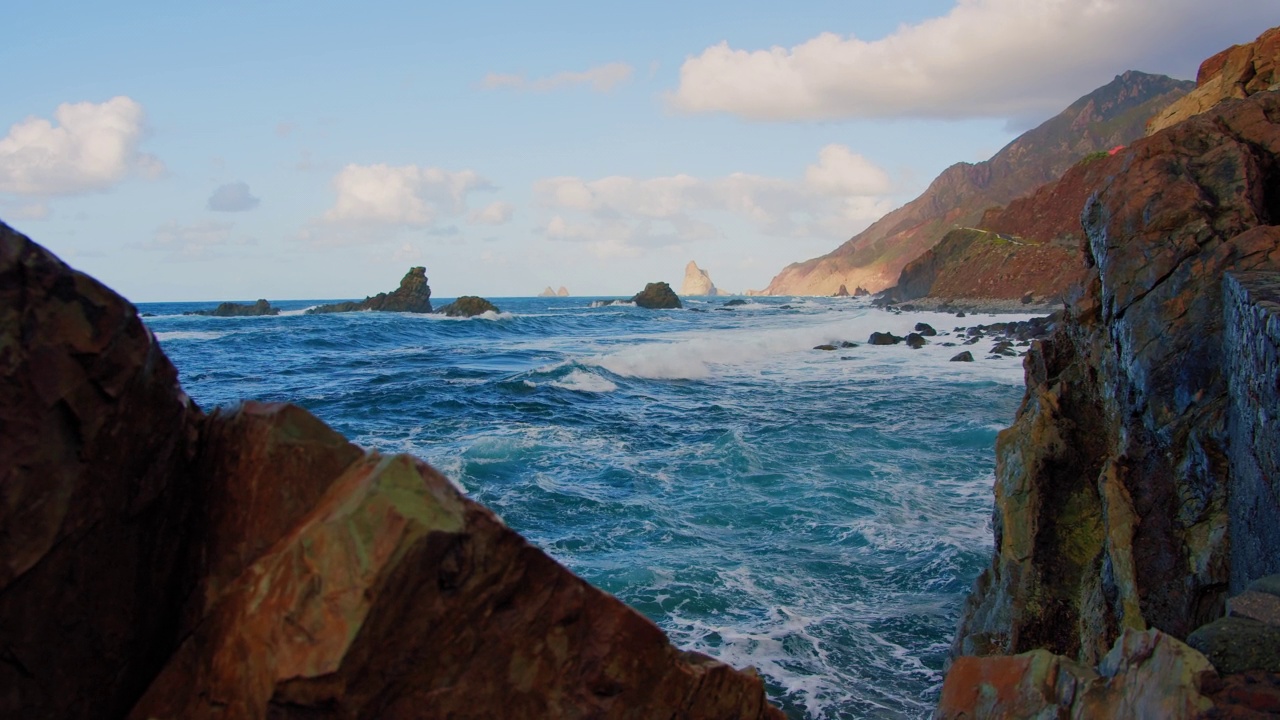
(818, 515)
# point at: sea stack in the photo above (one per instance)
(657, 296)
(562, 292)
(697, 281)
(413, 296)
(547, 293)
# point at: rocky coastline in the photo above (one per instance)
(1130, 504)
(413, 295)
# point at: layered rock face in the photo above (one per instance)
(1114, 114)
(1031, 246)
(1113, 485)
(1237, 72)
(696, 281)
(413, 295)
(157, 562)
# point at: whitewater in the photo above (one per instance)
(818, 515)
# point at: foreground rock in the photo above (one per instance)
(657, 296)
(1121, 505)
(157, 562)
(697, 281)
(413, 295)
(229, 309)
(468, 306)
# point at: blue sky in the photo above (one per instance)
(315, 150)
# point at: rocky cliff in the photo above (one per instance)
(1114, 114)
(160, 562)
(1237, 72)
(1033, 246)
(1117, 486)
(413, 295)
(697, 281)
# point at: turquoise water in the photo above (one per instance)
(818, 515)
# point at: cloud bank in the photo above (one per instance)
(89, 148)
(618, 215)
(985, 58)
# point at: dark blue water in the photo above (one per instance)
(818, 515)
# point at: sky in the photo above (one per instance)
(308, 150)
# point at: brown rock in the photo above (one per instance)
(1111, 485)
(95, 439)
(1237, 72)
(157, 563)
(1146, 675)
(1115, 114)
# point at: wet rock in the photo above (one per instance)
(926, 329)
(965, 356)
(230, 309)
(915, 341)
(737, 302)
(824, 347)
(784, 307)
(847, 344)
(413, 296)
(657, 296)
(960, 314)
(1027, 299)
(468, 306)
(883, 338)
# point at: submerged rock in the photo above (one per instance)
(965, 356)
(735, 302)
(468, 306)
(158, 562)
(413, 295)
(657, 296)
(230, 309)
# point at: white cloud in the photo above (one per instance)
(197, 240)
(495, 213)
(232, 197)
(90, 148)
(985, 58)
(838, 195)
(602, 78)
(405, 195)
